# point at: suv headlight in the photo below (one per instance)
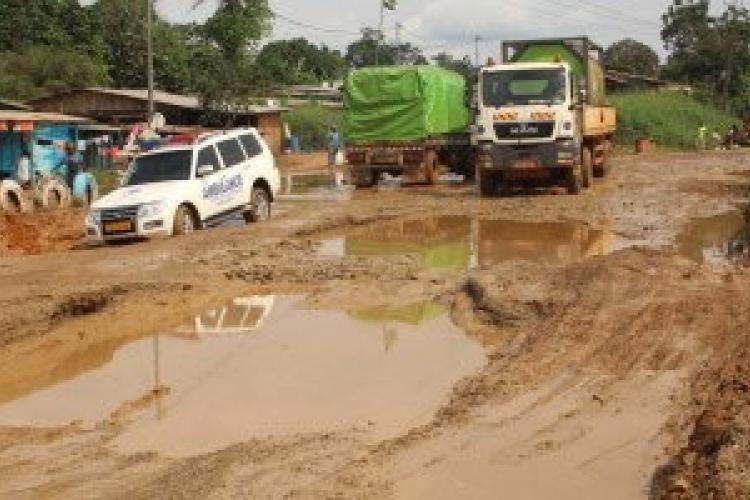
(151, 210)
(94, 218)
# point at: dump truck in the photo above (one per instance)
(407, 121)
(542, 117)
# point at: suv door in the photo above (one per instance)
(261, 161)
(211, 184)
(234, 159)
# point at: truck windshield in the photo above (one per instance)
(167, 166)
(522, 87)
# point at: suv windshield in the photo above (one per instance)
(167, 166)
(523, 86)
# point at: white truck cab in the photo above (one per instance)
(541, 117)
(176, 190)
(526, 103)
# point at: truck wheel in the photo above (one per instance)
(185, 221)
(587, 167)
(260, 206)
(431, 168)
(364, 178)
(573, 179)
(603, 169)
(486, 182)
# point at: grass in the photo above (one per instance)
(312, 123)
(670, 118)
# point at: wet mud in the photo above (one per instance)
(408, 342)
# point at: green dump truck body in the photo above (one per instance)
(404, 103)
(583, 56)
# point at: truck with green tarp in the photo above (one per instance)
(542, 117)
(406, 121)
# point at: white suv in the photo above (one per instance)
(176, 190)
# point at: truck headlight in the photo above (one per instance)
(151, 210)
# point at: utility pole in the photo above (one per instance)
(477, 39)
(399, 26)
(150, 57)
(380, 33)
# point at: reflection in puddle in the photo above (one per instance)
(457, 243)
(262, 366)
(715, 240)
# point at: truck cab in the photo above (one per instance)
(533, 117)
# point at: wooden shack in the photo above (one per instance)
(121, 107)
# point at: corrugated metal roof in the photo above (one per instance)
(13, 105)
(182, 101)
(29, 116)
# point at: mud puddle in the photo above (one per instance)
(260, 366)
(458, 242)
(716, 240)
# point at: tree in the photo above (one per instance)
(297, 61)
(462, 66)
(710, 52)
(362, 52)
(238, 25)
(123, 30)
(631, 56)
(39, 70)
(228, 77)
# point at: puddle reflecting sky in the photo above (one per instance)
(715, 240)
(457, 243)
(264, 366)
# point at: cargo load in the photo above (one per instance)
(404, 103)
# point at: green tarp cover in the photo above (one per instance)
(403, 103)
(559, 52)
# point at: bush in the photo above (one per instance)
(671, 118)
(312, 123)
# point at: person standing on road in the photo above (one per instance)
(23, 169)
(334, 143)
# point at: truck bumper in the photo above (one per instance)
(530, 159)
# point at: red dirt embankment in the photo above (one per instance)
(40, 232)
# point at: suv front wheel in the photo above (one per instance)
(260, 206)
(184, 221)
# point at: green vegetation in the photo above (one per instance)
(671, 118)
(312, 123)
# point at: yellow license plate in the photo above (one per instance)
(525, 164)
(118, 226)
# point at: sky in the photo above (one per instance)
(451, 25)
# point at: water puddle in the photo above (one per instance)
(457, 242)
(260, 366)
(716, 240)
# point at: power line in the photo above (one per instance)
(312, 26)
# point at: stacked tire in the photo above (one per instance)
(54, 194)
(13, 199)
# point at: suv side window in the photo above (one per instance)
(231, 152)
(207, 156)
(251, 144)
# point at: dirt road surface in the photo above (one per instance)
(404, 343)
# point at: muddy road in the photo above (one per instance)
(400, 343)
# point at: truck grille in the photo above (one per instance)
(531, 130)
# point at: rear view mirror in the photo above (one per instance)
(204, 170)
